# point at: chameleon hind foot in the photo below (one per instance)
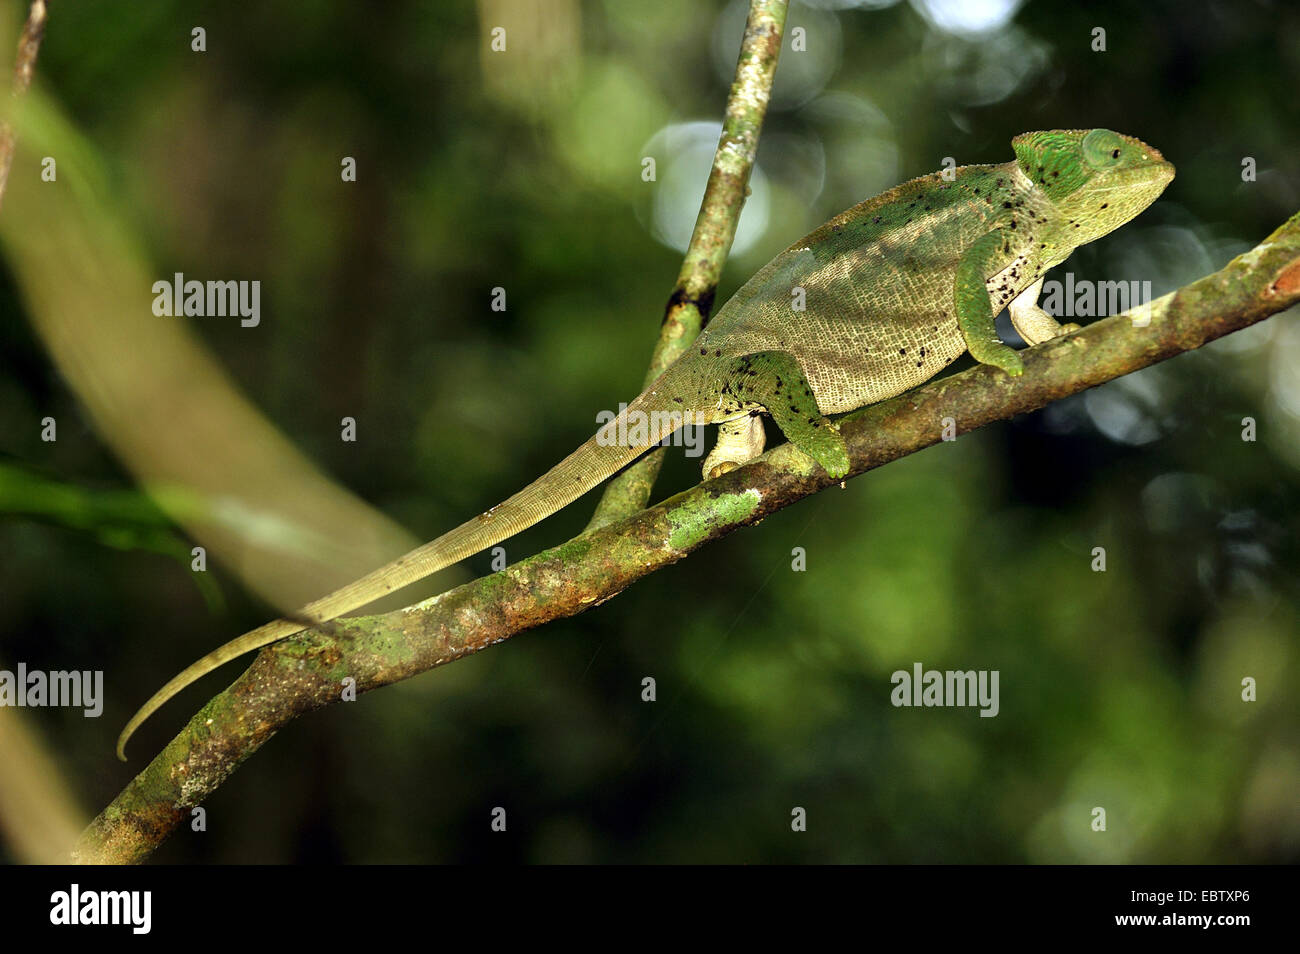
(739, 440)
(775, 381)
(820, 439)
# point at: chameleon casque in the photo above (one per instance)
(896, 288)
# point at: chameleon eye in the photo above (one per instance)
(1102, 148)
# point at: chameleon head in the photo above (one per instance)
(1096, 179)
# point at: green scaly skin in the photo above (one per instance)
(894, 290)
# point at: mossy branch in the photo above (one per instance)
(715, 227)
(307, 672)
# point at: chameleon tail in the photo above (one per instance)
(591, 464)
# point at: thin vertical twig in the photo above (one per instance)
(715, 227)
(29, 45)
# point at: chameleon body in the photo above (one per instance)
(894, 290)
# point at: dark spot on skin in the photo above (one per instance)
(918, 364)
(1105, 204)
(813, 421)
(717, 353)
(874, 221)
(704, 351)
(678, 400)
(999, 183)
(902, 351)
(1013, 223)
(1006, 205)
(837, 229)
(1055, 173)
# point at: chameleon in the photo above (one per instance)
(893, 290)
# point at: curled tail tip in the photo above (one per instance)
(256, 639)
(129, 730)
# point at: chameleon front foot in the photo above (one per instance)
(998, 355)
(975, 311)
(1031, 322)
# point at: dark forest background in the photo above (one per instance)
(522, 170)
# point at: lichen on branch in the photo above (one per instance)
(307, 672)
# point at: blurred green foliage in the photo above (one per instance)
(119, 519)
(522, 170)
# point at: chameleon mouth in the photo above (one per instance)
(1157, 168)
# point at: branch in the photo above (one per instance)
(715, 227)
(29, 45)
(305, 673)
